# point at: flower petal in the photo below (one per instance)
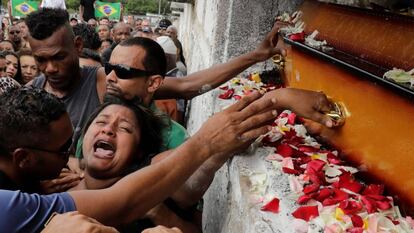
(357, 221)
(285, 150)
(306, 212)
(272, 206)
(227, 95)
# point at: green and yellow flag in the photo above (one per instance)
(23, 7)
(108, 9)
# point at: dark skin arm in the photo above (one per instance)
(131, 197)
(308, 104)
(208, 79)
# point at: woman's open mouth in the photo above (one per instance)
(104, 149)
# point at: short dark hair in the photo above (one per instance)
(103, 17)
(150, 124)
(90, 54)
(89, 36)
(25, 114)
(164, 23)
(154, 60)
(44, 22)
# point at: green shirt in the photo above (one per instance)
(173, 135)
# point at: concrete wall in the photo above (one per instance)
(213, 31)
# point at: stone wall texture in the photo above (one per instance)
(212, 32)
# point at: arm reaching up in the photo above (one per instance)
(205, 80)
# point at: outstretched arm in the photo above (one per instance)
(308, 104)
(131, 197)
(205, 80)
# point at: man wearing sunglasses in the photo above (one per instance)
(56, 50)
(35, 132)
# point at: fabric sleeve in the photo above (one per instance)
(26, 213)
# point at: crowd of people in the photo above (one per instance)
(91, 126)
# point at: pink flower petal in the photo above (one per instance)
(291, 118)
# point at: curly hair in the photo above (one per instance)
(150, 124)
(44, 22)
(89, 36)
(26, 114)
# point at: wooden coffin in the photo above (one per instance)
(378, 133)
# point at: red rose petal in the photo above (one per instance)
(336, 197)
(315, 166)
(272, 206)
(298, 37)
(323, 194)
(290, 171)
(285, 150)
(227, 95)
(306, 212)
(374, 189)
(357, 221)
(347, 181)
(308, 149)
(291, 118)
(303, 199)
(369, 204)
(350, 207)
(311, 188)
(333, 159)
(383, 205)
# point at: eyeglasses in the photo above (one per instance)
(14, 32)
(65, 150)
(126, 72)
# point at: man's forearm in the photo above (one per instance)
(134, 195)
(196, 186)
(205, 80)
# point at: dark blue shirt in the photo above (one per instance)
(26, 213)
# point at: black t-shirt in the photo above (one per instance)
(88, 9)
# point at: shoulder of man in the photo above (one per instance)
(23, 212)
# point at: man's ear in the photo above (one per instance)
(22, 158)
(154, 82)
(78, 44)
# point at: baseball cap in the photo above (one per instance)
(167, 44)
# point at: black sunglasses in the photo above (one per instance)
(126, 72)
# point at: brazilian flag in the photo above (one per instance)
(112, 10)
(23, 7)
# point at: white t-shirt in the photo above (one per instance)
(53, 4)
